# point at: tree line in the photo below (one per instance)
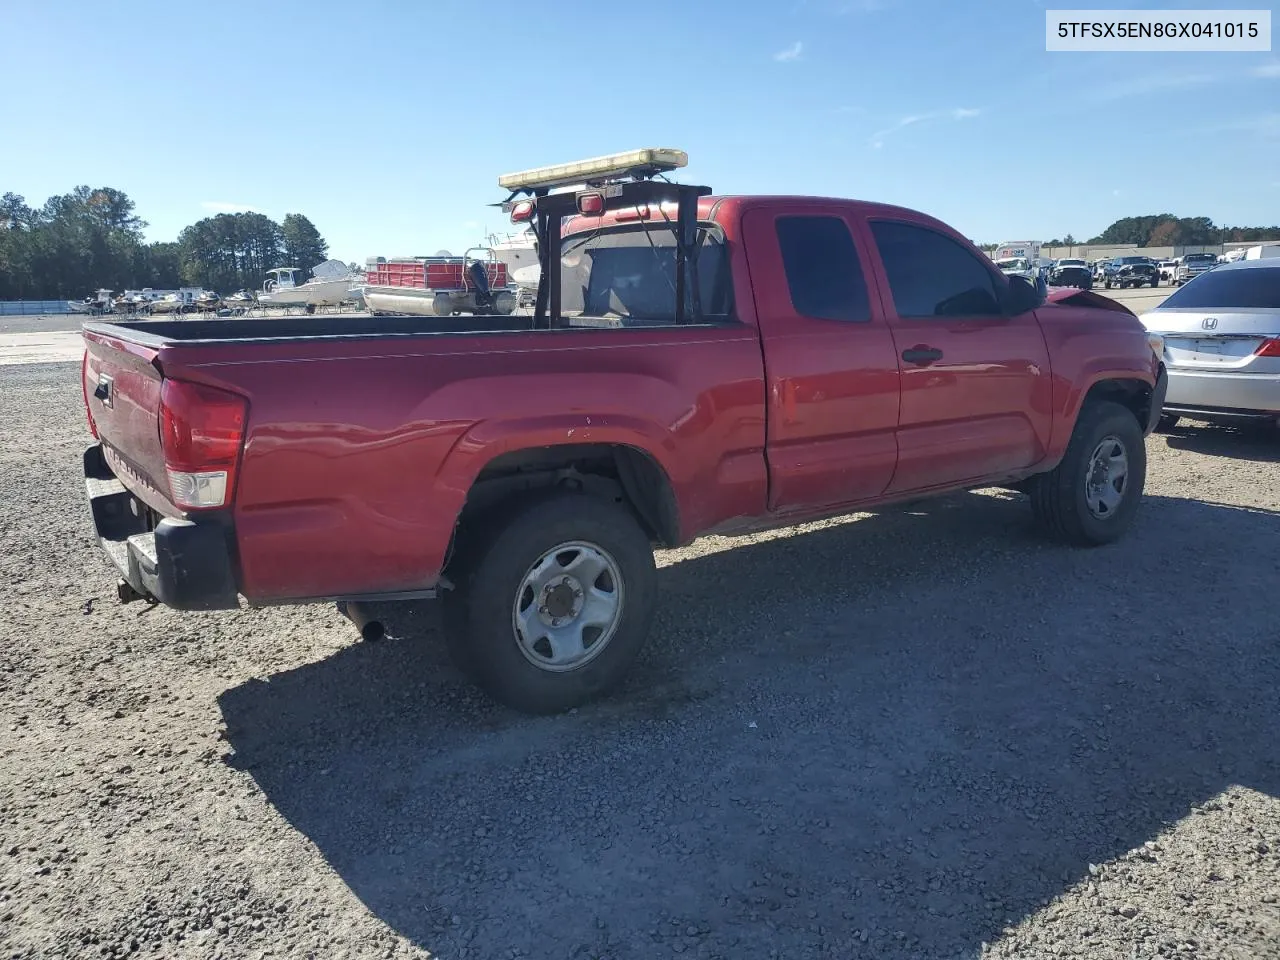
(91, 238)
(1166, 230)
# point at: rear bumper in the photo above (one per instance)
(184, 564)
(1248, 394)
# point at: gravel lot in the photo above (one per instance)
(924, 733)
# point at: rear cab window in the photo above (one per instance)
(1256, 288)
(824, 275)
(625, 276)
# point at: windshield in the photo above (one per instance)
(1017, 263)
(1250, 288)
(1070, 263)
(1130, 261)
(1199, 258)
(629, 273)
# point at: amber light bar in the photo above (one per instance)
(646, 160)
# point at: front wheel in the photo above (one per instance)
(1090, 497)
(553, 602)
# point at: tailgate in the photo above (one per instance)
(122, 389)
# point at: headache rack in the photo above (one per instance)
(593, 188)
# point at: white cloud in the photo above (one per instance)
(957, 113)
(1265, 125)
(221, 206)
(1268, 70)
(840, 8)
(790, 53)
(1152, 83)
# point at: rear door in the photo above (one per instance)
(830, 367)
(975, 383)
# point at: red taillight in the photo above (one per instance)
(201, 431)
(591, 204)
(1268, 348)
(84, 391)
(522, 212)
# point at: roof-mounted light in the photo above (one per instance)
(647, 161)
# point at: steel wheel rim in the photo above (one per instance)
(568, 606)
(1106, 481)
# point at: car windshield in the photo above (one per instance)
(630, 273)
(1130, 261)
(1251, 288)
(1015, 263)
(1070, 263)
(1199, 258)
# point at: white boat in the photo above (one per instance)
(99, 303)
(182, 300)
(518, 252)
(329, 285)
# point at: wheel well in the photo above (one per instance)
(1134, 395)
(614, 472)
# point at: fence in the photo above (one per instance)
(26, 308)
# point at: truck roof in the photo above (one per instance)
(733, 206)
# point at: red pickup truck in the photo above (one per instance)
(753, 362)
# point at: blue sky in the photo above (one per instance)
(388, 123)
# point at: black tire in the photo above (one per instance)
(1058, 497)
(1167, 422)
(1155, 281)
(1108, 283)
(488, 574)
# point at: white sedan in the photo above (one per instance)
(1221, 335)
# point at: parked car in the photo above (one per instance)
(1072, 273)
(1192, 265)
(1018, 267)
(1221, 337)
(1133, 272)
(1167, 269)
(521, 468)
(1104, 269)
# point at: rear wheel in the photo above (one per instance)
(1090, 497)
(553, 602)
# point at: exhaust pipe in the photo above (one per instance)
(370, 627)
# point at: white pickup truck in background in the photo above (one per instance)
(1191, 266)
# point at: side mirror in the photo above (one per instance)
(1024, 294)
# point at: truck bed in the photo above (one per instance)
(157, 333)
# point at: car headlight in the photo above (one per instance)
(1157, 344)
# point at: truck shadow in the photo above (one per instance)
(926, 722)
(1258, 442)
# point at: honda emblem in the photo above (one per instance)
(1209, 323)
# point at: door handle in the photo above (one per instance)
(921, 356)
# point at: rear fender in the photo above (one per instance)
(487, 441)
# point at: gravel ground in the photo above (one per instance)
(924, 733)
